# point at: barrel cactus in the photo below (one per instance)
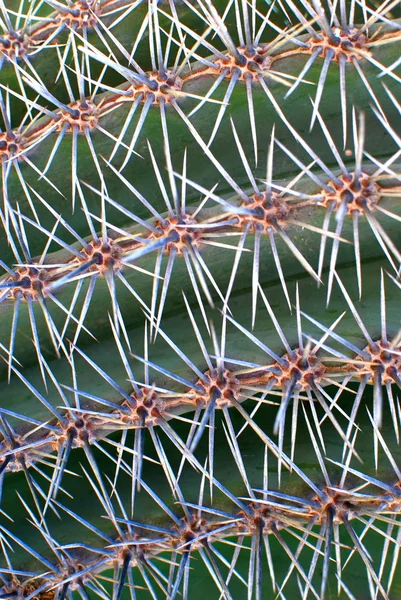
(200, 299)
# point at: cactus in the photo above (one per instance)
(199, 299)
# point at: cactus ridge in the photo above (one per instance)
(266, 211)
(300, 374)
(163, 86)
(199, 299)
(263, 516)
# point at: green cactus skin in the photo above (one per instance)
(199, 299)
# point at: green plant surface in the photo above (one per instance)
(200, 299)
(111, 362)
(84, 168)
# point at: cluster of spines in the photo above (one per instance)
(165, 85)
(299, 375)
(83, 115)
(264, 516)
(248, 64)
(260, 212)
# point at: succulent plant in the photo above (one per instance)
(200, 329)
